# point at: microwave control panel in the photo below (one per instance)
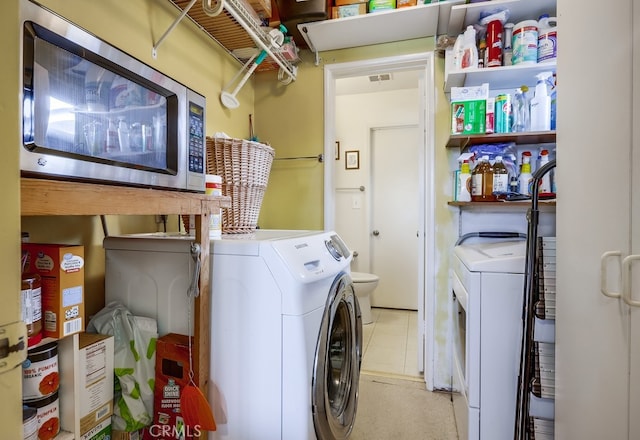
(196, 138)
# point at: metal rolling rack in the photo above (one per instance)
(536, 377)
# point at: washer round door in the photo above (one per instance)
(337, 363)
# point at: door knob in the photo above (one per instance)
(376, 232)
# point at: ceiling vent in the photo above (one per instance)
(381, 77)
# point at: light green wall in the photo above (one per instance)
(10, 407)
(291, 118)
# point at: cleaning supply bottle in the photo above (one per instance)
(482, 181)
(457, 52)
(500, 179)
(545, 182)
(469, 49)
(494, 44)
(554, 98)
(541, 104)
(524, 180)
(507, 48)
(464, 182)
(520, 112)
(482, 52)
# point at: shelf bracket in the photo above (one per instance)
(240, 14)
(246, 21)
(154, 51)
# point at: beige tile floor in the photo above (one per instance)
(390, 343)
(394, 402)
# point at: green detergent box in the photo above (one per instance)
(381, 5)
(468, 109)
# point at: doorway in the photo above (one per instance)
(425, 233)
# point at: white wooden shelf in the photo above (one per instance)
(445, 17)
(379, 27)
(504, 77)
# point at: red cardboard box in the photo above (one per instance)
(172, 375)
(61, 268)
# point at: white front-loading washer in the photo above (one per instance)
(286, 331)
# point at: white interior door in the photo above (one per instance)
(394, 215)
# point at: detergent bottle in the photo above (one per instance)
(545, 182)
(464, 182)
(469, 49)
(525, 178)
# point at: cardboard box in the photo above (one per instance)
(348, 2)
(468, 109)
(61, 268)
(172, 375)
(349, 10)
(381, 5)
(406, 3)
(123, 435)
(86, 382)
(262, 7)
(102, 431)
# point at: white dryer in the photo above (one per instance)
(286, 330)
(488, 285)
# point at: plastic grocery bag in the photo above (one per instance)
(134, 363)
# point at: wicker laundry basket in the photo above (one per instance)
(244, 167)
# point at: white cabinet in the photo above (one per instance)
(597, 337)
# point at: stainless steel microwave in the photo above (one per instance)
(91, 112)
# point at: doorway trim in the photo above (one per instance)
(424, 63)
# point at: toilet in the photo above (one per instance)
(363, 285)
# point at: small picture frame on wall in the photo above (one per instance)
(351, 160)
(337, 151)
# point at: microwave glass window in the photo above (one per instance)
(80, 108)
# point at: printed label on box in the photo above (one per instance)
(102, 431)
(61, 268)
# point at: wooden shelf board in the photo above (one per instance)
(515, 205)
(532, 137)
(53, 197)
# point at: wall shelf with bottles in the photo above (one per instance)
(42, 197)
(463, 141)
(469, 13)
(504, 77)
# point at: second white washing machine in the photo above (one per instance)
(286, 331)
